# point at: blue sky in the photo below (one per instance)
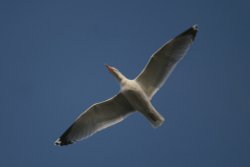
(51, 59)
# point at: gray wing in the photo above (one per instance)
(97, 117)
(163, 61)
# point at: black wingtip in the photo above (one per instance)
(62, 142)
(191, 31)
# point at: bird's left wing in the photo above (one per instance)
(163, 61)
(97, 117)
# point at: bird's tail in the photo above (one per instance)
(155, 118)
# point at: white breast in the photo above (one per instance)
(135, 95)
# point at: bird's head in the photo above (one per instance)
(115, 72)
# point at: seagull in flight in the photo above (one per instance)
(135, 95)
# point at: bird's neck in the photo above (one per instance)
(119, 76)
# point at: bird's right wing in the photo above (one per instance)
(163, 61)
(97, 117)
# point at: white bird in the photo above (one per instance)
(134, 95)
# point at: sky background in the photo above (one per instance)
(51, 60)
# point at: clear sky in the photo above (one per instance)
(51, 60)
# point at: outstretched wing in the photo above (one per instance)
(97, 117)
(163, 61)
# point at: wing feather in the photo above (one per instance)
(164, 60)
(97, 117)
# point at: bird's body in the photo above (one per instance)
(138, 99)
(135, 95)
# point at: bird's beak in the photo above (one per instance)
(110, 69)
